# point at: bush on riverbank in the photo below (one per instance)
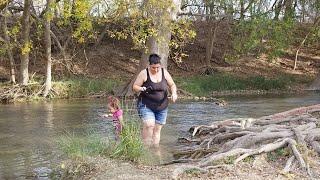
(205, 85)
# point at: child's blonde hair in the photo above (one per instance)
(114, 102)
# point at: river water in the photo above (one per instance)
(28, 130)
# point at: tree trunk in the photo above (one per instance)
(277, 9)
(8, 48)
(158, 44)
(47, 41)
(289, 11)
(210, 42)
(210, 34)
(303, 11)
(25, 21)
(242, 11)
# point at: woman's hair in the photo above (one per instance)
(154, 59)
(114, 102)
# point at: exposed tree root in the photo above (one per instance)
(288, 165)
(238, 139)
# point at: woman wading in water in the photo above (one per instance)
(153, 84)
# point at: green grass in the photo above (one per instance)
(77, 146)
(249, 159)
(204, 85)
(80, 87)
(77, 87)
(129, 147)
(229, 159)
(278, 153)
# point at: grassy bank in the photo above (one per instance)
(129, 147)
(83, 149)
(70, 88)
(196, 85)
(80, 87)
(204, 85)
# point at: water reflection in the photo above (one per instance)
(28, 131)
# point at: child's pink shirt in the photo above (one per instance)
(116, 122)
(117, 114)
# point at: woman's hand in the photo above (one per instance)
(174, 97)
(143, 89)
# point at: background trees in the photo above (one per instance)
(233, 28)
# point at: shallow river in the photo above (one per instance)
(28, 130)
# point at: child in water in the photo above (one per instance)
(116, 113)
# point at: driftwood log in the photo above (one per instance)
(297, 129)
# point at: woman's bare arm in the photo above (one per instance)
(172, 85)
(137, 85)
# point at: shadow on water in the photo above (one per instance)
(28, 131)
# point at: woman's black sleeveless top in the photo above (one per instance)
(156, 95)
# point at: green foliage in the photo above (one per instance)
(314, 37)
(130, 146)
(193, 172)
(75, 146)
(26, 48)
(83, 87)
(263, 35)
(182, 33)
(49, 15)
(260, 82)
(204, 85)
(14, 30)
(76, 14)
(84, 22)
(66, 12)
(2, 50)
(278, 153)
(139, 23)
(229, 159)
(248, 159)
(13, 33)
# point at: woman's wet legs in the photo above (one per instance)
(147, 132)
(156, 135)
